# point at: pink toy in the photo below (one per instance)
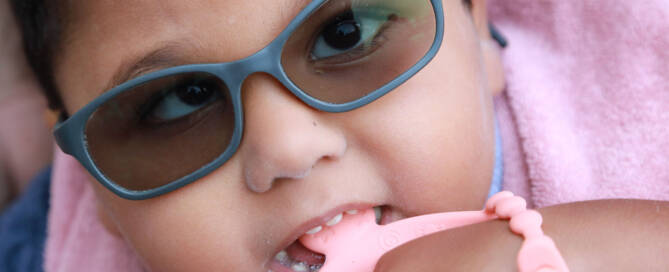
(371, 240)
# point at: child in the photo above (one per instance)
(426, 146)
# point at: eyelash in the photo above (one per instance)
(377, 40)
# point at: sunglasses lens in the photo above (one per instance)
(346, 49)
(161, 130)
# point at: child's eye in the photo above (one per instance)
(351, 35)
(180, 101)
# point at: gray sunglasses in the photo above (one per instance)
(161, 131)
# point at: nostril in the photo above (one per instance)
(294, 160)
(301, 175)
(339, 149)
(260, 180)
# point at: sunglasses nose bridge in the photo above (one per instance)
(265, 60)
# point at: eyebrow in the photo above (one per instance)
(167, 55)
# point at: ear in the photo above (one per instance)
(490, 49)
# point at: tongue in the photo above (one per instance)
(299, 253)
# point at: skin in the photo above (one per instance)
(425, 147)
(602, 235)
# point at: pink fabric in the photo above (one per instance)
(588, 91)
(77, 241)
(585, 116)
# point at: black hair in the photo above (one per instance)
(41, 23)
(41, 27)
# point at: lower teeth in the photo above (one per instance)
(297, 266)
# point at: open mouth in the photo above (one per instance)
(298, 258)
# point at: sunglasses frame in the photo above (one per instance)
(70, 134)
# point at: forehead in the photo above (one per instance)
(131, 9)
(233, 20)
(104, 35)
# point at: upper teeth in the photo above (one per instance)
(334, 220)
(337, 218)
(315, 230)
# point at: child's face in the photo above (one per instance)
(425, 147)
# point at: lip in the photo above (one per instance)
(318, 221)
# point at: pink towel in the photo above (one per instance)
(588, 89)
(585, 116)
(77, 241)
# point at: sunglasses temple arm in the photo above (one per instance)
(497, 36)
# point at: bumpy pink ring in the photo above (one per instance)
(538, 252)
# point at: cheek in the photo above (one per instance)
(193, 225)
(443, 156)
(433, 137)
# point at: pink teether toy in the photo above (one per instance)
(357, 242)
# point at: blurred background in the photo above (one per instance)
(26, 144)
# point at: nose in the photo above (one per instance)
(283, 137)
